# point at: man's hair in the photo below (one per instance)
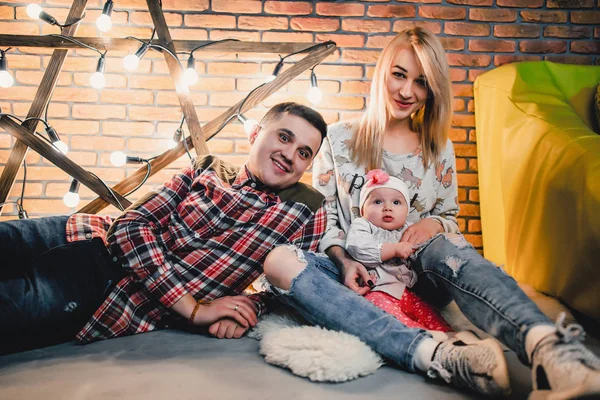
(304, 112)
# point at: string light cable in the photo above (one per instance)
(35, 11)
(282, 59)
(190, 75)
(97, 79)
(6, 79)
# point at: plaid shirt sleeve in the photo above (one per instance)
(307, 239)
(133, 237)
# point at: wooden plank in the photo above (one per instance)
(61, 161)
(210, 129)
(176, 71)
(40, 102)
(132, 45)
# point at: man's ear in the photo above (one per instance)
(253, 134)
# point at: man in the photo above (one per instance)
(182, 254)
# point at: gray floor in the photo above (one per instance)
(178, 365)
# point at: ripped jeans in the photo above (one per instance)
(49, 288)
(448, 268)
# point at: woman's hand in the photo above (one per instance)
(421, 231)
(239, 308)
(227, 328)
(352, 271)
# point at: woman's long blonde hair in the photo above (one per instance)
(431, 122)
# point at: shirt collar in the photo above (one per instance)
(246, 178)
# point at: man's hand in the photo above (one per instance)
(421, 231)
(404, 250)
(352, 271)
(239, 308)
(227, 328)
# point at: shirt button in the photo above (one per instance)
(222, 215)
(88, 235)
(197, 235)
(253, 185)
(115, 259)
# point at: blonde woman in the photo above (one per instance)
(404, 131)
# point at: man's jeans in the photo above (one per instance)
(448, 268)
(49, 288)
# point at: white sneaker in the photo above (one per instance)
(563, 368)
(469, 363)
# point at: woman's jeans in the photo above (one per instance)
(448, 269)
(49, 288)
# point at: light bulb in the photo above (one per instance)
(314, 95)
(6, 79)
(61, 146)
(131, 62)
(249, 124)
(71, 199)
(270, 78)
(104, 23)
(190, 76)
(34, 11)
(97, 80)
(118, 158)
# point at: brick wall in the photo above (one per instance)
(138, 112)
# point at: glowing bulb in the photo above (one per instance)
(6, 79)
(314, 95)
(71, 199)
(249, 124)
(104, 23)
(118, 158)
(97, 80)
(61, 146)
(34, 11)
(190, 76)
(131, 62)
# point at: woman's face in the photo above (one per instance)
(406, 85)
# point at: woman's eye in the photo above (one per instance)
(421, 82)
(399, 74)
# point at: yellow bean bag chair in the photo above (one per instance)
(539, 177)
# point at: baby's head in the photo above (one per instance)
(384, 200)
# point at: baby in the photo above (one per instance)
(374, 241)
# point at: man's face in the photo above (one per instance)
(282, 150)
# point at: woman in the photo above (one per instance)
(405, 132)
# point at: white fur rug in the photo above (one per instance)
(323, 355)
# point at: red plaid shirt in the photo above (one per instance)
(200, 234)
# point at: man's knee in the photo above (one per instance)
(282, 265)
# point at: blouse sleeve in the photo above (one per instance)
(360, 243)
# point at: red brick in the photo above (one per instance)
(79, 127)
(343, 103)
(520, 30)
(97, 111)
(209, 21)
(7, 12)
(298, 37)
(237, 6)
(474, 195)
(76, 95)
(186, 33)
(544, 16)
(543, 46)
(473, 164)
(301, 86)
(126, 96)
(361, 25)
(400, 11)
(506, 59)
(262, 23)
(462, 225)
(126, 128)
(137, 113)
(520, 3)
(35, 77)
(458, 135)
(19, 92)
(471, 210)
(462, 90)
(124, 31)
(575, 32)
(356, 87)
(339, 71)
(97, 143)
(233, 68)
(570, 4)
(225, 99)
(151, 82)
(570, 59)
(585, 17)
(597, 32)
(144, 18)
(474, 226)
(360, 56)
(461, 164)
(183, 5)
(442, 12)
(19, 61)
(434, 27)
(495, 15)
(416, 1)
(240, 35)
(471, 106)
(452, 43)
(464, 120)
(475, 240)
(466, 29)
(585, 47)
(469, 60)
(341, 10)
(471, 2)
(458, 105)
(314, 24)
(288, 7)
(492, 46)
(465, 150)
(457, 74)
(341, 40)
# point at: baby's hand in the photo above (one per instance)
(404, 250)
